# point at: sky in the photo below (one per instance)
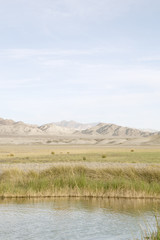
(82, 60)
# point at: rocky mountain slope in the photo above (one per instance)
(51, 128)
(11, 128)
(112, 130)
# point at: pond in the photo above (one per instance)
(75, 218)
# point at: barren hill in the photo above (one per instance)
(112, 130)
(12, 128)
(51, 128)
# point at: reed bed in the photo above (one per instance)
(80, 181)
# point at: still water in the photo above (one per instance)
(75, 219)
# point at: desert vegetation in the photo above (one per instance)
(52, 154)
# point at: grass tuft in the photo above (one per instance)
(150, 233)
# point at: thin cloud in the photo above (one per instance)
(20, 53)
(7, 84)
(149, 59)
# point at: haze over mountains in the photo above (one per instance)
(63, 128)
(75, 125)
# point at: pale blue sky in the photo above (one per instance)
(85, 60)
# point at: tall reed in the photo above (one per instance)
(82, 181)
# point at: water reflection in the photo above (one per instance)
(74, 218)
(91, 204)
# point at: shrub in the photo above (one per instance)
(132, 150)
(11, 155)
(52, 153)
(104, 156)
(84, 158)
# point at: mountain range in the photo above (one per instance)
(113, 130)
(64, 128)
